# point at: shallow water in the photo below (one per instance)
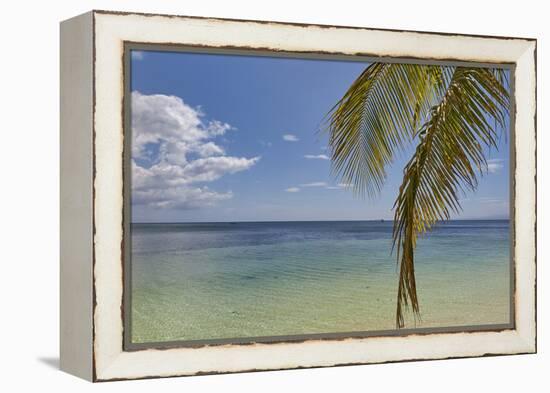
(228, 280)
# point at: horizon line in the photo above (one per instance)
(266, 221)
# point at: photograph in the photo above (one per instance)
(274, 197)
(209, 196)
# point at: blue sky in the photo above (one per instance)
(236, 138)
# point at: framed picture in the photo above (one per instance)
(245, 195)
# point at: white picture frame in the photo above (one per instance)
(92, 194)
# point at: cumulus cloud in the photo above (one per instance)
(290, 138)
(317, 157)
(183, 198)
(494, 165)
(292, 189)
(174, 154)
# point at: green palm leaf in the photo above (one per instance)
(447, 160)
(460, 110)
(377, 117)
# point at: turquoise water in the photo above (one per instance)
(228, 280)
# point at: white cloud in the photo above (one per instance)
(314, 184)
(339, 186)
(290, 138)
(209, 149)
(317, 184)
(266, 144)
(173, 151)
(495, 165)
(137, 55)
(490, 200)
(183, 198)
(317, 157)
(483, 200)
(157, 118)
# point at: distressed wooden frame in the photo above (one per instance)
(92, 208)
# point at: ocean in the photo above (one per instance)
(199, 281)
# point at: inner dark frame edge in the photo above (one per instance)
(126, 245)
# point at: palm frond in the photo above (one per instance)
(447, 160)
(377, 117)
(502, 75)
